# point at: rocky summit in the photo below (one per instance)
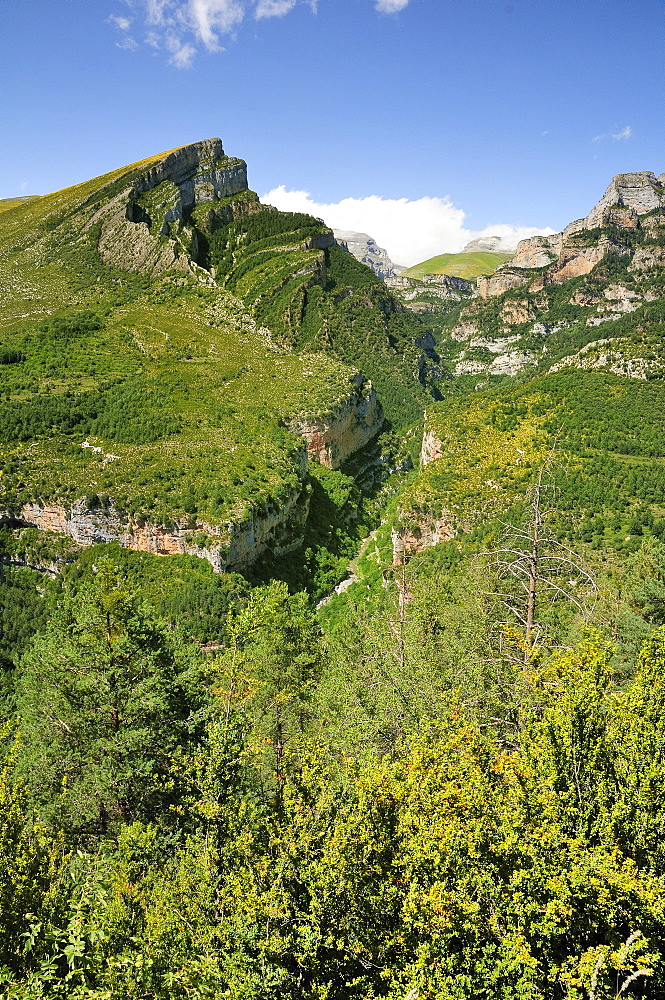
(365, 249)
(541, 310)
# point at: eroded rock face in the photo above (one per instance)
(334, 437)
(365, 249)
(503, 279)
(146, 225)
(561, 256)
(231, 546)
(537, 251)
(641, 191)
(431, 448)
(422, 533)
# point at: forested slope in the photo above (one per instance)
(441, 782)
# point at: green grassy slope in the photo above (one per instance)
(7, 203)
(170, 380)
(460, 265)
(315, 296)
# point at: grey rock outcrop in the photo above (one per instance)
(365, 249)
(231, 546)
(148, 224)
(641, 191)
(489, 244)
(566, 255)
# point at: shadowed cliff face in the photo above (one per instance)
(232, 546)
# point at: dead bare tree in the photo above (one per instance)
(543, 568)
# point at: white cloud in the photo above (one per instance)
(128, 43)
(390, 6)
(200, 23)
(273, 8)
(625, 133)
(182, 53)
(156, 10)
(123, 23)
(410, 230)
(207, 17)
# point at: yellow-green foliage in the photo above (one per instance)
(610, 455)
(483, 464)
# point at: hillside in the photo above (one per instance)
(459, 265)
(332, 610)
(7, 203)
(149, 402)
(528, 378)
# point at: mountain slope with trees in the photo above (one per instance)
(443, 781)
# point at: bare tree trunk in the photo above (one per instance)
(279, 753)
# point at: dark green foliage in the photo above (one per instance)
(324, 300)
(184, 590)
(131, 413)
(105, 696)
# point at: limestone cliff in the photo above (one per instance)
(333, 437)
(155, 220)
(276, 527)
(236, 545)
(568, 254)
(423, 531)
(365, 249)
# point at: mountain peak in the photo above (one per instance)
(640, 191)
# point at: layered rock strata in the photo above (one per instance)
(421, 533)
(334, 437)
(566, 255)
(365, 249)
(278, 528)
(148, 224)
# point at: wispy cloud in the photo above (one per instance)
(209, 18)
(624, 133)
(127, 43)
(123, 23)
(273, 8)
(181, 28)
(410, 230)
(182, 53)
(390, 6)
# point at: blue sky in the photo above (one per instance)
(513, 112)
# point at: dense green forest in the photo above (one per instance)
(413, 751)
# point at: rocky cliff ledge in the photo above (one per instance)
(153, 222)
(275, 527)
(334, 437)
(234, 546)
(568, 255)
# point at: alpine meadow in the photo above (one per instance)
(332, 607)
